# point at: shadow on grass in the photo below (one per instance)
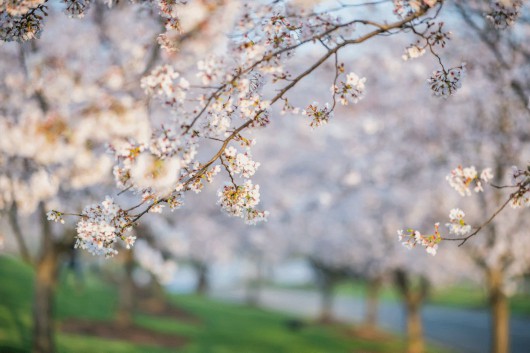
(11, 349)
(132, 334)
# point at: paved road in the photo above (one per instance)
(466, 331)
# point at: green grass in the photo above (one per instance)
(220, 328)
(96, 302)
(476, 298)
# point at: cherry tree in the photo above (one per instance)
(495, 126)
(54, 145)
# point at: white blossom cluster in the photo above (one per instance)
(161, 83)
(457, 225)
(209, 70)
(413, 51)
(169, 11)
(218, 121)
(276, 30)
(169, 8)
(241, 200)
(413, 237)
(405, 8)
(319, 115)
(76, 8)
(151, 172)
(463, 179)
(240, 163)
(521, 179)
(169, 40)
(102, 227)
(238, 98)
(21, 20)
(21, 7)
(255, 108)
(504, 13)
(154, 166)
(55, 216)
(445, 83)
(352, 90)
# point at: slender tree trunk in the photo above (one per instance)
(252, 295)
(154, 299)
(46, 273)
(414, 325)
(372, 302)
(500, 313)
(43, 304)
(157, 301)
(124, 316)
(202, 279)
(326, 279)
(413, 294)
(326, 308)
(254, 283)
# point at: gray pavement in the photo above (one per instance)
(465, 331)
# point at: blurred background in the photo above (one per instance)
(326, 272)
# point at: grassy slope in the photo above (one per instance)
(223, 327)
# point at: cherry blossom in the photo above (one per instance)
(412, 52)
(240, 201)
(240, 163)
(445, 83)
(412, 237)
(504, 13)
(101, 227)
(319, 115)
(351, 90)
(456, 224)
(462, 179)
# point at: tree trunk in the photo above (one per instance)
(43, 304)
(254, 282)
(326, 308)
(124, 316)
(414, 325)
(372, 303)
(153, 298)
(326, 278)
(46, 273)
(252, 292)
(500, 313)
(202, 279)
(413, 294)
(158, 298)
